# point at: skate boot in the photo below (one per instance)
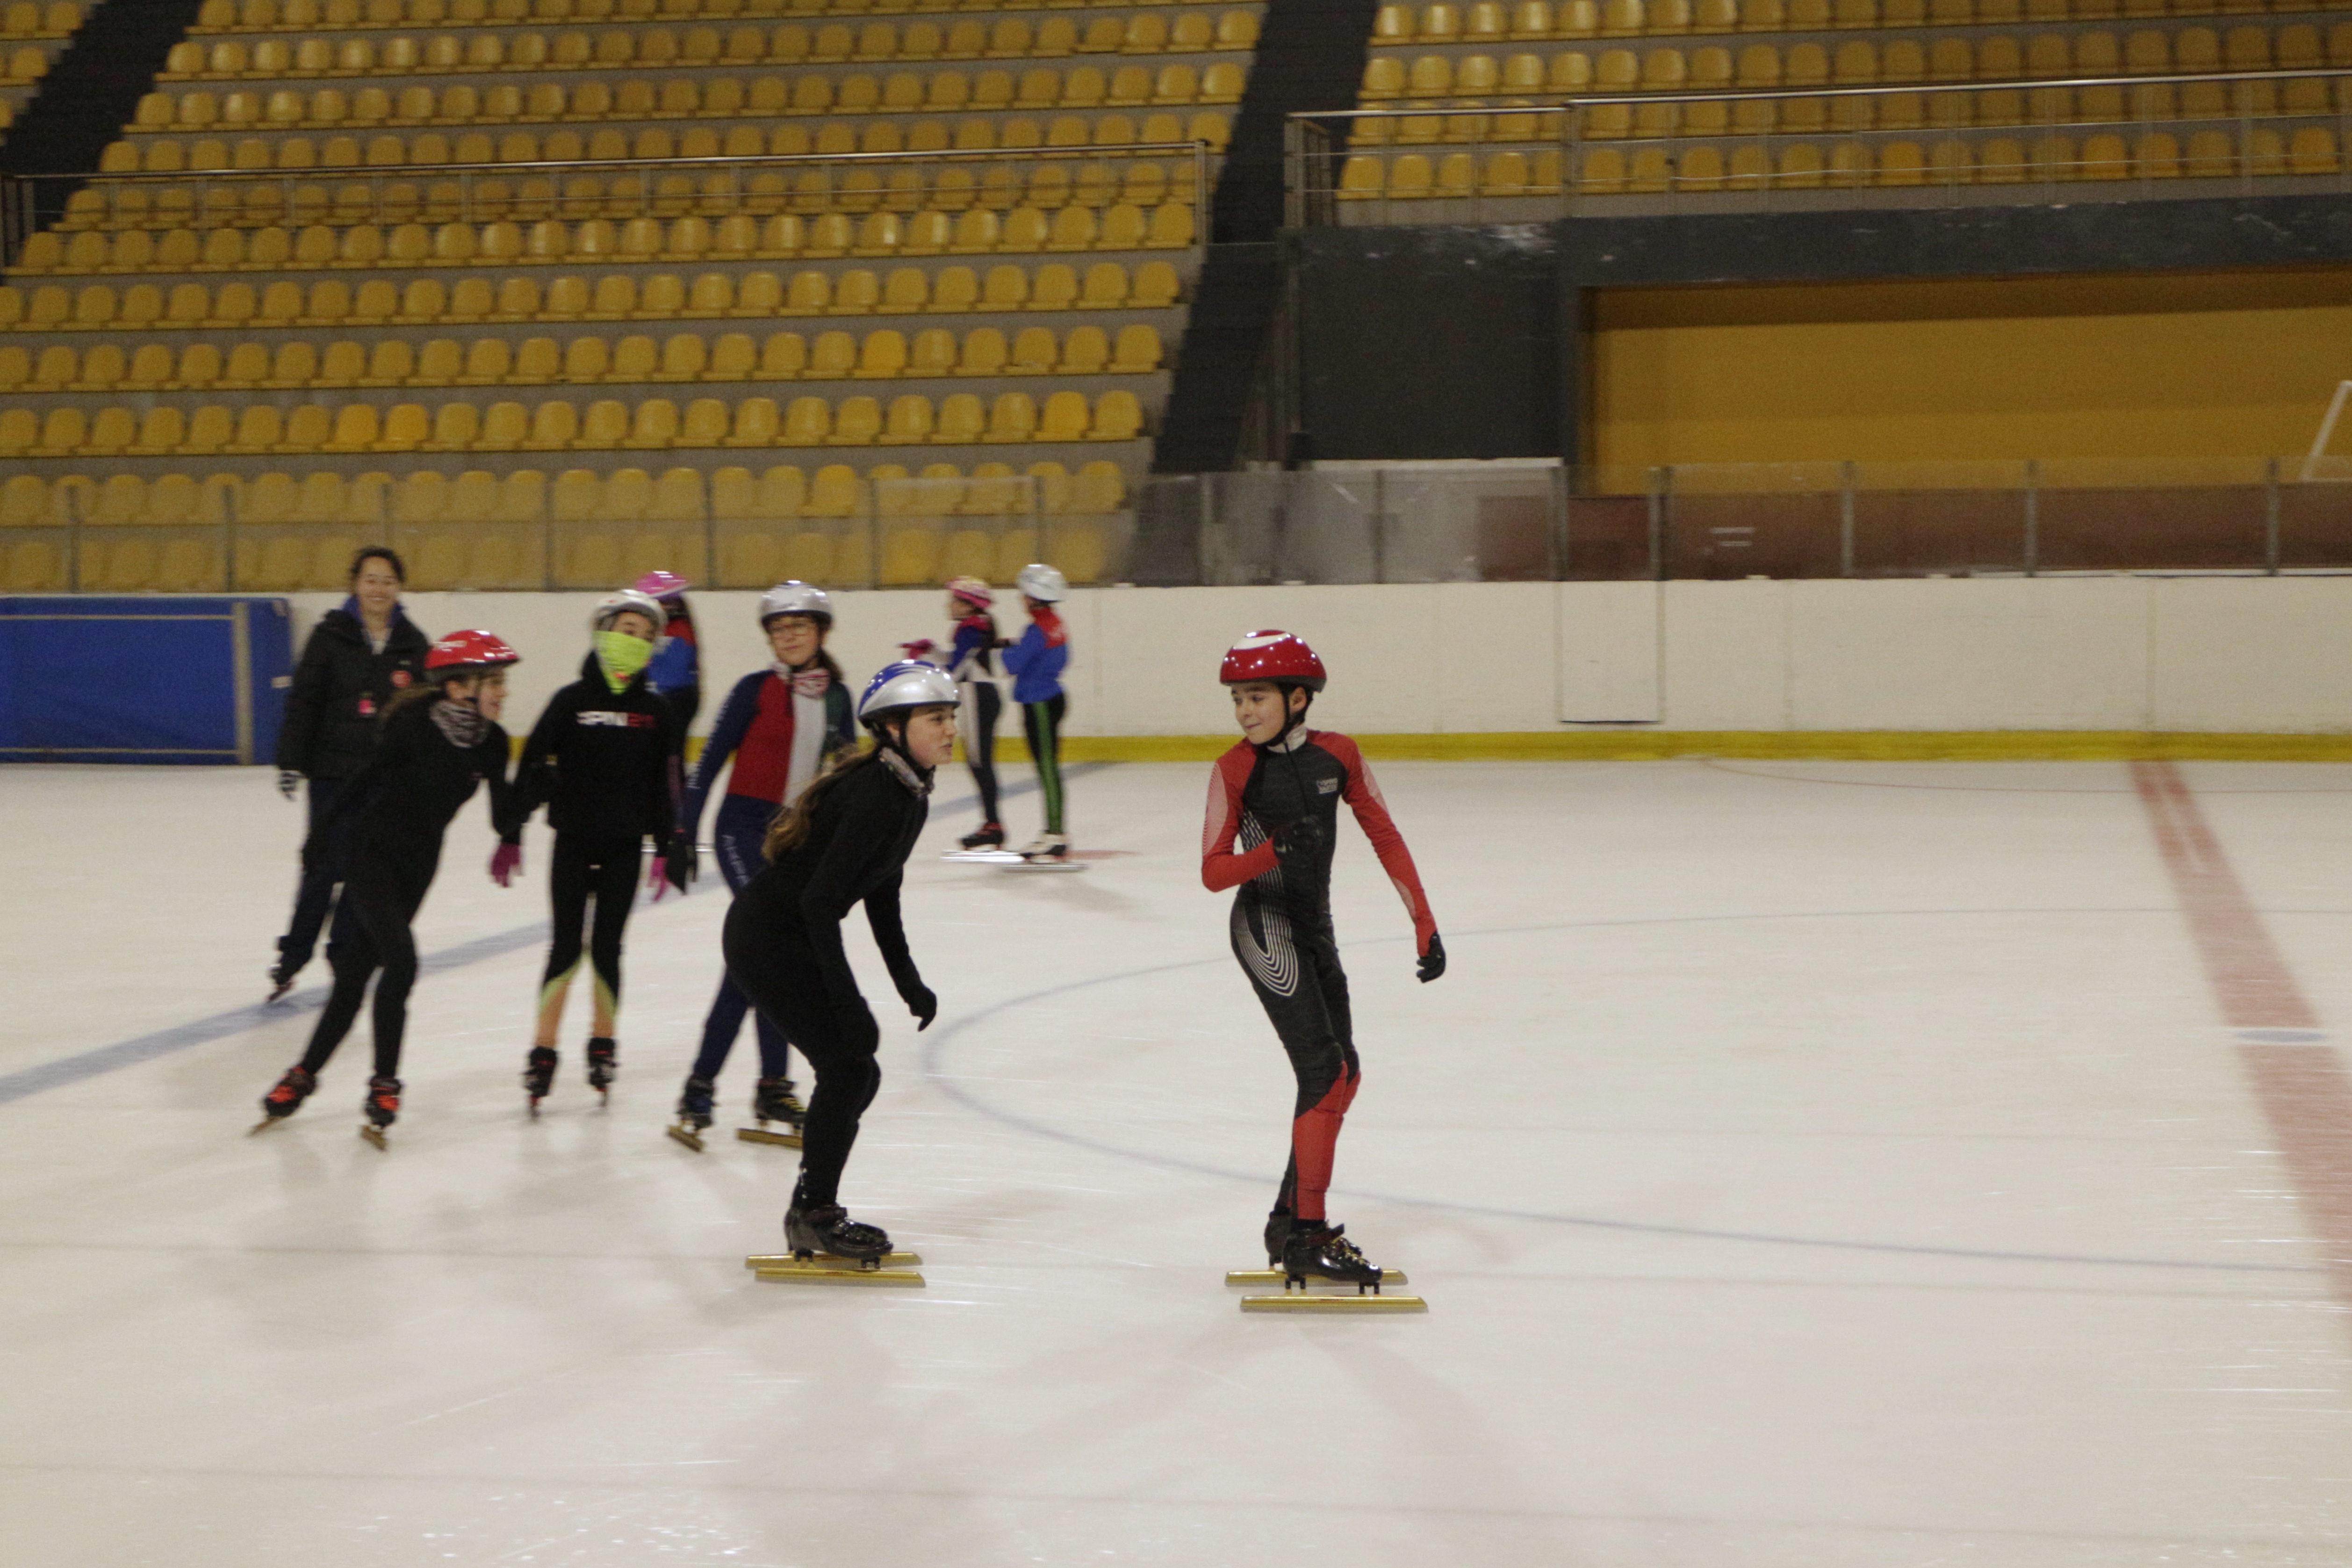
(281, 981)
(1277, 1237)
(603, 1064)
(382, 1108)
(1317, 1250)
(693, 1112)
(539, 1076)
(989, 837)
(286, 1098)
(773, 1101)
(827, 1231)
(1048, 847)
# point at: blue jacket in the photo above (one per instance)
(1038, 660)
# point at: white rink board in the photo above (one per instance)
(2196, 654)
(1807, 1165)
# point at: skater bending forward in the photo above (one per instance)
(1273, 814)
(440, 739)
(844, 840)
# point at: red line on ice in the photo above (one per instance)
(2303, 1088)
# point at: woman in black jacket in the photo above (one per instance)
(844, 840)
(603, 757)
(358, 659)
(440, 739)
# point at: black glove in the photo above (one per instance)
(858, 1031)
(288, 782)
(681, 865)
(1432, 962)
(1299, 836)
(921, 1001)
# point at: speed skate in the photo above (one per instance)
(1013, 860)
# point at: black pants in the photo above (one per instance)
(1300, 983)
(314, 896)
(979, 745)
(779, 973)
(605, 871)
(381, 896)
(1042, 723)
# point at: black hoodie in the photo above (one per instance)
(340, 689)
(604, 762)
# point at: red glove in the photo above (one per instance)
(919, 648)
(506, 864)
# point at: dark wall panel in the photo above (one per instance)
(1429, 342)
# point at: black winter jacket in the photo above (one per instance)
(413, 785)
(340, 687)
(605, 763)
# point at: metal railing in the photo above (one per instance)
(1924, 143)
(811, 186)
(881, 533)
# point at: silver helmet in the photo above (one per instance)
(612, 606)
(1041, 582)
(795, 598)
(909, 683)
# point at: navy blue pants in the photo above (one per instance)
(314, 896)
(737, 834)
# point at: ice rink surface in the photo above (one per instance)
(1811, 1166)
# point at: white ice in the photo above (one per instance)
(1811, 1166)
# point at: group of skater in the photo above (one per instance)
(394, 732)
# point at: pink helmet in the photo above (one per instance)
(971, 591)
(662, 585)
(1273, 656)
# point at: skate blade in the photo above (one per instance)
(761, 1135)
(1315, 1301)
(984, 857)
(1274, 1277)
(787, 1260)
(264, 1125)
(840, 1271)
(374, 1135)
(688, 1136)
(1042, 864)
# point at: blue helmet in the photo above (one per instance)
(909, 683)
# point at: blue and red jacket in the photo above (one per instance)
(757, 727)
(1038, 660)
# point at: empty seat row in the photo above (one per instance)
(616, 297)
(558, 425)
(538, 362)
(1495, 21)
(973, 232)
(1950, 108)
(1607, 171)
(297, 15)
(737, 204)
(525, 496)
(168, 155)
(677, 97)
(1144, 33)
(25, 63)
(1861, 63)
(26, 19)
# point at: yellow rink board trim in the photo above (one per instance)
(1295, 1302)
(1825, 745)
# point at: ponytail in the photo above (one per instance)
(790, 830)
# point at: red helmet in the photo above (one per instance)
(461, 651)
(1273, 656)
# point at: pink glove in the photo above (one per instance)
(919, 648)
(506, 861)
(654, 881)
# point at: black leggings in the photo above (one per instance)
(779, 973)
(381, 896)
(607, 872)
(1299, 981)
(1042, 723)
(979, 745)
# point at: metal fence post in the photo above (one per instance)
(2271, 519)
(1556, 530)
(1661, 484)
(1845, 520)
(2032, 516)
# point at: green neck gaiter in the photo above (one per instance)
(621, 655)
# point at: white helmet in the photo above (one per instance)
(795, 598)
(909, 683)
(612, 606)
(1040, 581)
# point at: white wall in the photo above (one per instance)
(2096, 653)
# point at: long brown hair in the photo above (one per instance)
(790, 830)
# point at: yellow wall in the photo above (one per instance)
(2204, 365)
